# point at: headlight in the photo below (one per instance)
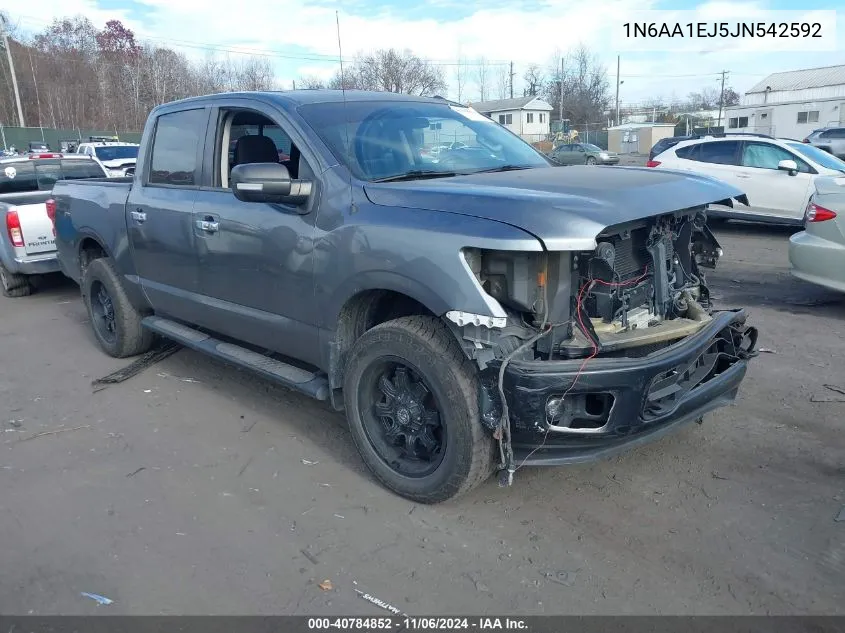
(511, 277)
(603, 155)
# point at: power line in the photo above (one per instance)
(274, 53)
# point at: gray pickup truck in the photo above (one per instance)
(471, 309)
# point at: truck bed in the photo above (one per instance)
(91, 200)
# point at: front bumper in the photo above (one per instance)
(611, 160)
(619, 403)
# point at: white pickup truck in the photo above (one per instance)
(27, 234)
(116, 157)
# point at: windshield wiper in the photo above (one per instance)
(417, 174)
(502, 168)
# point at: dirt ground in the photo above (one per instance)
(194, 488)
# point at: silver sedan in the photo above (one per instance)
(817, 253)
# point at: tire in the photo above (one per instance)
(14, 285)
(431, 355)
(591, 160)
(121, 334)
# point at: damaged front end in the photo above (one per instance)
(603, 349)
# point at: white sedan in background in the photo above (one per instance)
(777, 175)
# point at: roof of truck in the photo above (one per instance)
(303, 97)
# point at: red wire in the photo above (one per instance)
(630, 282)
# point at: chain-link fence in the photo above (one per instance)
(21, 137)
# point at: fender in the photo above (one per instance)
(382, 280)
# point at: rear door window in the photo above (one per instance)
(719, 152)
(690, 152)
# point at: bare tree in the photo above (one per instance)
(310, 82)
(391, 71)
(255, 73)
(107, 80)
(730, 97)
(460, 76)
(534, 81)
(482, 78)
(706, 99)
(582, 86)
(502, 82)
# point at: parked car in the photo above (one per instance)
(583, 154)
(776, 174)
(27, 241)
(35, 147)
(817, 254)
(117, 158)
(665, 143)
(417, 298)
(829, 139)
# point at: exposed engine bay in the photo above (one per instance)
(641, 288)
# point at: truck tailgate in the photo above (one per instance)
(36, 227)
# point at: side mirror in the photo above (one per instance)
(268, 182)
(788, 165)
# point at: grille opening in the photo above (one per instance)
(580, 411)
(669, 388)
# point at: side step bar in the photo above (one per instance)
(313, 384)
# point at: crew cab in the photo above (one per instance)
(27, 239)
(484, 312)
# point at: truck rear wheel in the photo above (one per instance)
(411, 399)
(115, 321)
(14, 285)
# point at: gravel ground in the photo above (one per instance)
(194, 488)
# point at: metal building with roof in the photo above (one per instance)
(791, 104)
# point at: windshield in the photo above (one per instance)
(819, 156)
(113, 152)
(592, 148)
(383, 139)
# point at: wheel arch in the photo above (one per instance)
(362, 311)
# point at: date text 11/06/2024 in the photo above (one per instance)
(723, 29)
(408, 623)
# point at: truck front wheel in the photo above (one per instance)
(116, 322)
(411, 399)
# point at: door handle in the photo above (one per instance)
(743, 176)
(208, 225)
(139, 216)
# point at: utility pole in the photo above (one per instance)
(560, 100)
(12, 69)
(617, 88)
(721, 98)
(510, 76)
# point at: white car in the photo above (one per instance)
(777, 175)
(118, 159)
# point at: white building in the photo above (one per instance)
(526, 116)
(791, 104)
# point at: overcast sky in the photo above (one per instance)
(301, 38)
